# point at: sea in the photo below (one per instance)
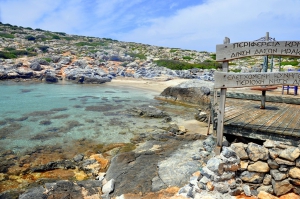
(36, 115)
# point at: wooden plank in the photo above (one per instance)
(238, 80)
(230, 51)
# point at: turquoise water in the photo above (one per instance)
(38, 114)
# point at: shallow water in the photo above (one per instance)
(36, 115)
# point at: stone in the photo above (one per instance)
(274, 153)
(283, 168)
(108, 187)
(215, 165)
(291, 153)
(257, 152)
(244, 165)
(209, 143)
(259, 166)
(235, 192)
(267, 179)
(228, 152)
(277, 175)
(204, 180)
(295, 182)
(286, 162)
(290, 196)
(267, 189)
(252, 177)
(227, 175)
(265, 195)
(273, 164)
(297, 162)
(281, 187)
(35, 66)
(294, 173)
(246, 190)
(232, 167)
(269, 143)
(221, 187)
(210, 186)
(240, 150)
(78, 157)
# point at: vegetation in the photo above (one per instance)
(91, 43)
(178, 65)
(43, 48)
(135, 55)
(30, 38)
(6, 35)
(11, 53)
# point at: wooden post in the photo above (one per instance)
(263, 93)
(221, 111)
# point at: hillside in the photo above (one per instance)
(35, 53)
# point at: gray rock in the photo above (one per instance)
(209, 143)
(257, 152)
(252, 177)
(267, 179)
(78, 157)
(273, 164)
(246, 190)
(235, 192)
(37, 192)
(108, 187)
(35, 66)
(240, 150)
(286, 162)
(291, 153)
(281, 187)
(277, 175)
(267, 189)
(215, 165)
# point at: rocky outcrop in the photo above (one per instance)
(191, 92)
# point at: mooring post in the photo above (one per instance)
(221, 111)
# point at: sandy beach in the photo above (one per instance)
(156, 85)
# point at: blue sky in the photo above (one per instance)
(187, 24)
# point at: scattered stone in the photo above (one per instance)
(252, 177)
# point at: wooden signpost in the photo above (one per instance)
(223, 80)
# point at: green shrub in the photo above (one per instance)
(178, 65)
(43, 48)
(187, 57)
(55, 37)
(60, 33)
(47, 59)
(6, 35)
(293, 63)
(30, 38)
(38, 29)
(100, 43)
(15, 53)
(135, 55)
(213, 56)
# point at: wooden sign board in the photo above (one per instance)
(237, 50)
(237, 80)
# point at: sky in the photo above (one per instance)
(187, 24)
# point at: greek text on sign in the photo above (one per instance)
(236, 80)
(256, 48)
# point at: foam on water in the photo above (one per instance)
(57, 114)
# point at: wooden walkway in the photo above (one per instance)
(279, 121)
